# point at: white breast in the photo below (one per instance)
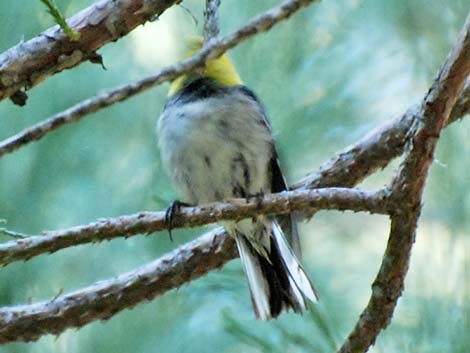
(216, 148)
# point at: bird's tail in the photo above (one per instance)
(276, 279)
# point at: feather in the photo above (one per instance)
(256, 282)
(296, 272)
(276, 280)
(216, 143)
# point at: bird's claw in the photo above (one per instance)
(259, 196)
(174, 208)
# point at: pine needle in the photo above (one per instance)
(60, 19)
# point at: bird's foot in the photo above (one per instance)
(259, 196)
(174, 208)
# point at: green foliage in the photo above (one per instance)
(328, 76)
(60, 19)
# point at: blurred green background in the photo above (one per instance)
(328, 76)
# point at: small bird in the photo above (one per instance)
(216, 144)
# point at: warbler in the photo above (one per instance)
(216, 143)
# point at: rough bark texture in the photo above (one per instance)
(148, 222)
(211, 23)
(406, 193)
(377, 149)
(30, 62)
(215, 48)
(104, 299)
(418, 129)
(462, 106)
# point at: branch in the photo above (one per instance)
(29, 63)
(237, 209)
(260, 23)
(20, 321)
(407, 189)
(322, 178)
(104, 299)
(377, 149)
(211, 25)
(190, 261)
(462, 107)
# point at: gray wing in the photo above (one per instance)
(278, 182)
(287, 222)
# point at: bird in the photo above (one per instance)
(216, 143)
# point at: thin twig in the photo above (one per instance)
(148, 222)
(407, 188)
(189, 12)
(13, 234)
(211, 24)
(260, 23)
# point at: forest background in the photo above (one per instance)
(327, 76)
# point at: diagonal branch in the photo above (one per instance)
(104, 299)
(407, 188)
(26, 315)
(29, 63)
(148, 222)
(377, 149)
(462, 106)
(258, 24)
(211, 251)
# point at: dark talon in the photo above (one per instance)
(175, 207)
(259, 198)
(214, 240)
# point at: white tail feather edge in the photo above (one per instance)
(296, 273)
(300, 285)
(256, 282)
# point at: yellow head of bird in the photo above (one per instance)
(220, 69)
